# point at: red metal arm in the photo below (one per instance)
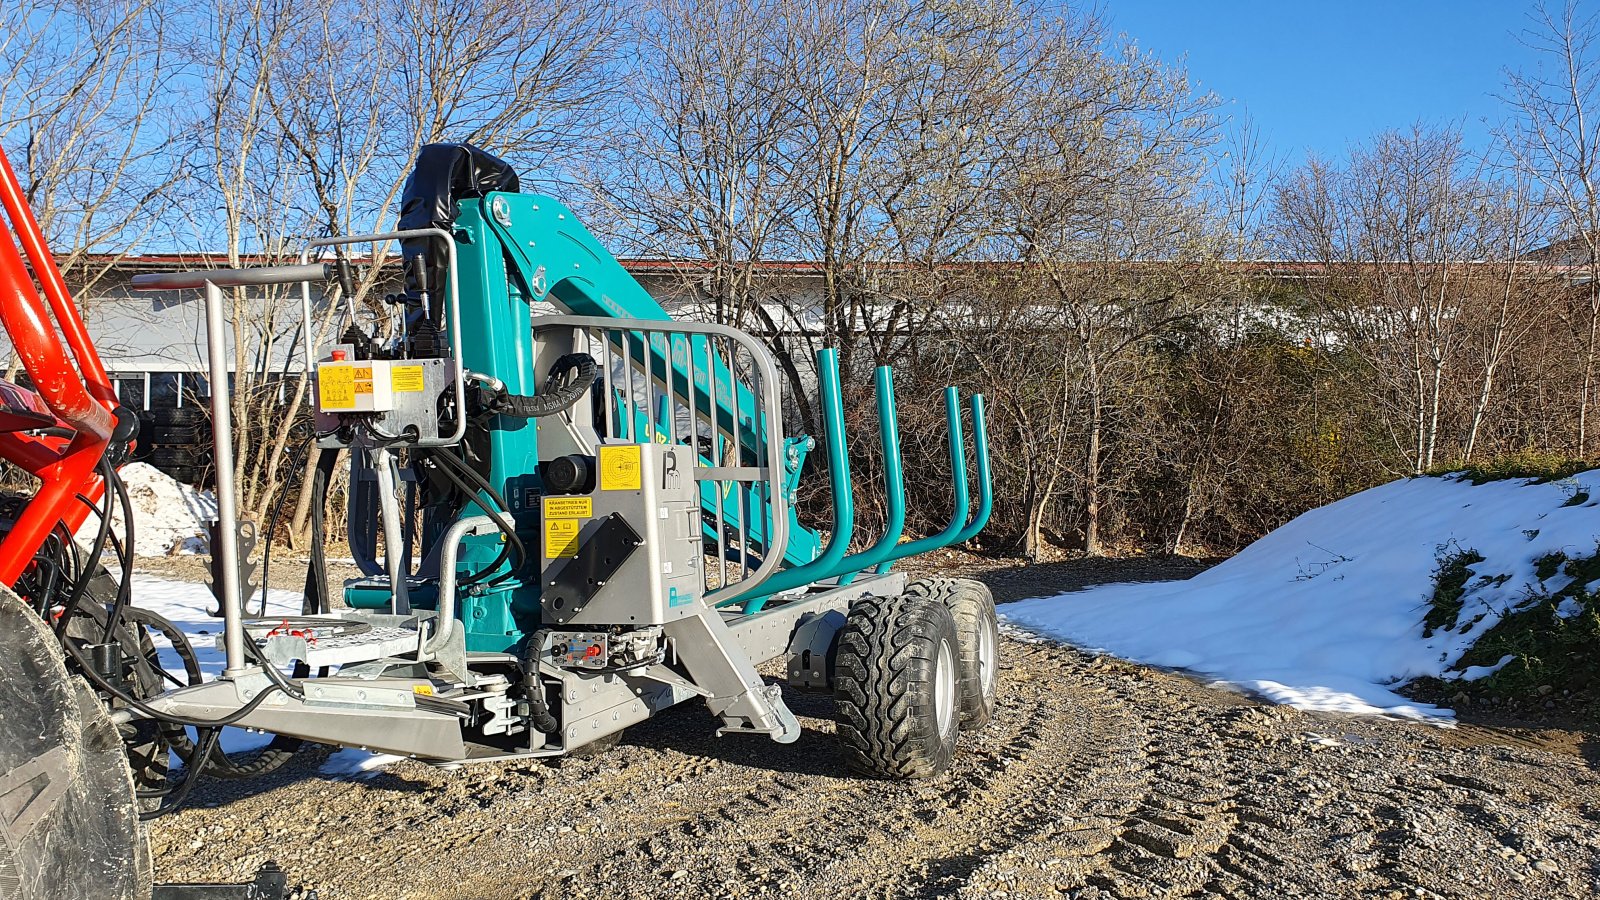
(74, 386)
(55, 287)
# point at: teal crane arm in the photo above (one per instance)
(549, 253)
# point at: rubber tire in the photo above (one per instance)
(182, 435)
(178, 415)
(174, 457)
(972, 606)
(189, 475)
(884, 683)
(70, 828)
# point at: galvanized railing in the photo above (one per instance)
(715, 390)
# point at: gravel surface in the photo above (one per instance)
(1097, 778)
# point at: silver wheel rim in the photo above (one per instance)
(988, 658)
(944, 688)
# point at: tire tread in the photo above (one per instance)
(884, 669)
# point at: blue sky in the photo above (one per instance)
(1319, 75)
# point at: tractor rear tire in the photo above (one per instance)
(978, 633)
(69, 825)
(896, 684)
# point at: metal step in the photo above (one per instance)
(321, 641)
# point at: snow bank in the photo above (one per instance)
(187, 606)
(1326, 612)
(168, 517)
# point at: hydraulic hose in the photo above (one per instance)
(539, 714)
(125, 585)
(569, 379)
(459, 474)
(70, 608)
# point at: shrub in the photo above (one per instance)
(1540, 465)
(1449, 586)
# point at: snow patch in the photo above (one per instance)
(357, 763)
(188, 605)
(1473, 673)
(168, 517)
(1326, 612)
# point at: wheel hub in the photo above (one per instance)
(944, 687)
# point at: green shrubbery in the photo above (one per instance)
(1537, 464)
(1553, 637)
(1449, 586)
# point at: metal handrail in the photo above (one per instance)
(766, 419)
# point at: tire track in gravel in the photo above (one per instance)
(781, 817)
(1005, 797)
(1142, 820)
(1097, 779)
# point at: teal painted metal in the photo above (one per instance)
(980, 446)
(546, 254)
(894, 484)
(497, 331)
(516, 249)
(958, 474)
(844, 507)
(960, 528)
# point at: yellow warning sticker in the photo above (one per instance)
(363, 387)
(336, 387)
(406, 379)
(425, 690)
(620, 468)
(561, 538)
(569, 507)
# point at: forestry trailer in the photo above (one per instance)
(571, 510)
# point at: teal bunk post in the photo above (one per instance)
(844, 508)
(980, 442)
(958, 476)
(894, 484)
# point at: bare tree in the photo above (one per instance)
(83, 120)
(1513, 221)
(1240, 206)
(1103, 201)
(1400, 232)
(532, 81)
(1554, 136)
(699, 176)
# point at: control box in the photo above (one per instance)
(396, 395)
(628, 552)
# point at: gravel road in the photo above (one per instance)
(1097, 778)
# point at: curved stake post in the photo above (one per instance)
(894, 484)
(959, 529)
(844, 509)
